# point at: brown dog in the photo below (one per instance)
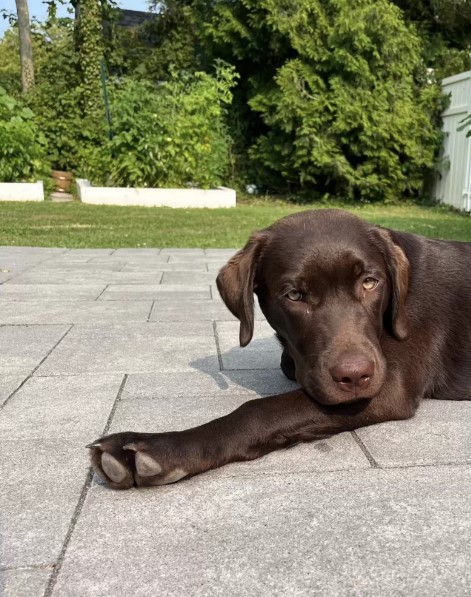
(371, 321)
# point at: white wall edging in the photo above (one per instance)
(22, 191)
(183, 198)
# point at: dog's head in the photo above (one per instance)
(330, 285)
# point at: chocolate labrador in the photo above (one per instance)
(370, 320)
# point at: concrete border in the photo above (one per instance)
(22, 191)
(220, 197)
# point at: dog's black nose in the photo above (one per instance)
(353, 372)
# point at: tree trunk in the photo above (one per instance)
(26, 46)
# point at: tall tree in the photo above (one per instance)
(339, 104)
(26, 46)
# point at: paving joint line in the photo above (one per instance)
(35, 369)
(104, 289)
(83, 496)
(218, 348)
(26, 567)
(150, 312)
(365, 450)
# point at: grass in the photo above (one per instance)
(76, 225)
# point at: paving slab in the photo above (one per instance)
(44, 463)
(439, 433)
(143, 292)
(188, 278)
(316, 519)
(367, 532)
(182, 252)
(27, 251)
(132, 348)
(215, 266)
(89, 253)
(24, 582)
(152, 266)
(263, 352)
(251, 383)
(187, 257)
(191, 310)
(22, 348)
(223, 253)
(4, 277)
(77, 266)
(137, 258)
(28, 292)
(139, 252)
(79, 277)
(60, 407)
(138, 332)
(71, 311)
(41, 484)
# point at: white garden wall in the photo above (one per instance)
(221, 197)
(453, 185)
(21, 191)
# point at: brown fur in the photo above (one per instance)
(361, 355)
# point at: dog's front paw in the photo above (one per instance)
(131, 459)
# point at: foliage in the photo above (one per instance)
(172, 134)
(10, 68)
(163, 44)
(342, 112)
(22, 145)
(57, 99)
(89, 38)
(333, 97)
(464, 124)
(443, 26)
(448, 19)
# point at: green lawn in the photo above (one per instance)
(76, 225)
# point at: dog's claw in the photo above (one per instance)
(93, 445)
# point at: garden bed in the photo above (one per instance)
(212, 198)
(21, 191)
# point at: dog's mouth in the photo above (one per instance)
(337, 400)
(338, 396)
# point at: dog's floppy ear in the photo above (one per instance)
(236, 282)
(398, 269)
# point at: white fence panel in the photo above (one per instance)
(453, 186)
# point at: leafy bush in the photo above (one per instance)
(172, 134)
(337, 108)
(58, 99)
(22, 145)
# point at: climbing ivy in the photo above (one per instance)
(91, 48)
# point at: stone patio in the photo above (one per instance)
(96, 341)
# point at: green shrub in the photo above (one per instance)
(57, 99)
(22, 145)
(172, 134)
(336, 104)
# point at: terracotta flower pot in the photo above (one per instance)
(62, 180)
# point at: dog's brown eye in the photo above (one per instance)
(370, 283)
(294, 295)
